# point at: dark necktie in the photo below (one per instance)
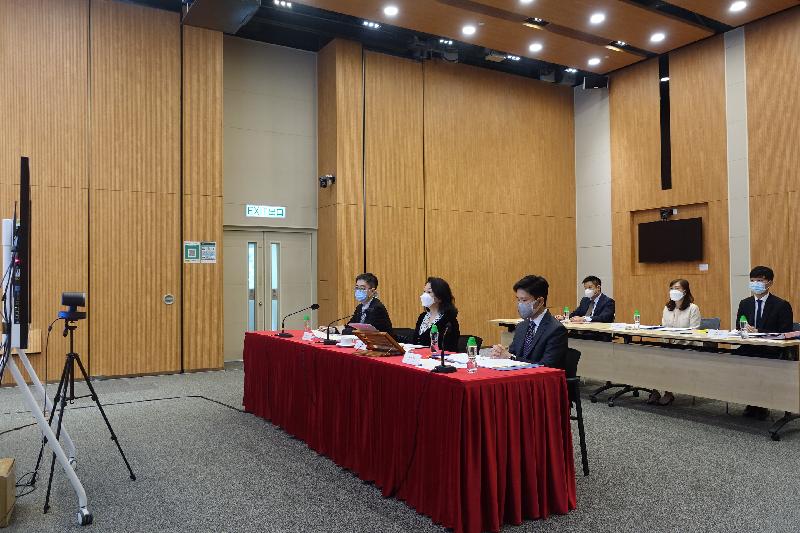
(591, 308)
(528, 344)
(758, 312)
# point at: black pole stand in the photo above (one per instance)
(443, 368)
(66, 393)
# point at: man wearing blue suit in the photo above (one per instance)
(594, 306)
(539, 338)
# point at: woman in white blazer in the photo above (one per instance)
(679, 312)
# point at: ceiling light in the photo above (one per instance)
(622, 43)
(371, 25)
(525, 1)
(468, 30)
(597, 18)
(665, 78)
(390, 11)
(594, 61)
(738, 6)
(282, 3)
(535, 47)
(657, 37)
(448, 42)
(513, 58)
(571, 70)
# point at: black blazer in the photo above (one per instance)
(549, 342)
(377, 316)
(776, 317)
(604, 309)
(450, 341)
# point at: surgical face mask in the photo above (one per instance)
(675, 295)
(526, 309)
(589, 293)
(758, 287)
(426, 299)
(361, 295)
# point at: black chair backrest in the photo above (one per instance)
(462, 342)
(571, 362)
(709, 323)
(796, 326)
(404, 335)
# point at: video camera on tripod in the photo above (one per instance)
(72, 300)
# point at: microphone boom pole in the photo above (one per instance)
(283, 332)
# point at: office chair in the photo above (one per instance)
(405, 335)
(574, 391)
(709, 323)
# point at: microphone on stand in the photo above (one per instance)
(283, 333)
(443, 368)
(328, 341)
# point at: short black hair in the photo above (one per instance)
(369, 278)
(592, 279)
(762, 272)
(441, 289)
(534, 285)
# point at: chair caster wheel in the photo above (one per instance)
(636, 394)
(84, 517)
(73, 463)
(775, 436)
(611, 403)
(593, 399)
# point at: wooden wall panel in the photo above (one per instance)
(498, 143)
(202, 196)
(44, 97)
(394, 182)
(699, 178)
(134, 204)
(773, 121)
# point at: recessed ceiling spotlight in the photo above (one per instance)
(597, 18)
(448, 42)
(513, 58)
(571, 70)
(622, 43)
(657, 37)
(535, 47)
(282, 3)
(371, 25)
(525, 1)
(594, 61)
(390, 11)
(468, 30)
(738, 6)
(665, 78)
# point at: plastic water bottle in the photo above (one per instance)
(566, 314)
(434, 339)
(636, 318)
(307, 334)
(472, 356)
(743, 326)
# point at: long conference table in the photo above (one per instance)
(471, 451)
(706, 368)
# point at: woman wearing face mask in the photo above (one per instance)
(679, 312)
(440, 309)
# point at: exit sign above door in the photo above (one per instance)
(265, 211)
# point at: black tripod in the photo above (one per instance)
(66, 393)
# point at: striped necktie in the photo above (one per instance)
(527, 346)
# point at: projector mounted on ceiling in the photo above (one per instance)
(223, 15)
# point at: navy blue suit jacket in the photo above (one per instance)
(549, 342)
(604, 309)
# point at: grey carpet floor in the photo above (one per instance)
(203, 466)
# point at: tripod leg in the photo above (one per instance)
(103, 413)
(68, 374)
(50, 420)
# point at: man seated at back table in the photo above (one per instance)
(370, 310)
(539, 338)
(765, 313)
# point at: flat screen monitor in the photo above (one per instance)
(671, 240)
(21, 281)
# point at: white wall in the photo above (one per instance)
(270, 136)
(593, 187)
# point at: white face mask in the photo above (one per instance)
(589, 293)
(675, 295)
(426, 299)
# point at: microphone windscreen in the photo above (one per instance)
(315, 307)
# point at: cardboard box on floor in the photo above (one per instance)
(8, 491)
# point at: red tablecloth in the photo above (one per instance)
(471, 451)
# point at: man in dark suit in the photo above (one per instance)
(539, 338)
(765, 313)
(370, 309)
(594, 306)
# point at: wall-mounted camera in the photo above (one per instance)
(327, 179)
(667, 212)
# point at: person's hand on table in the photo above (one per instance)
(750, 329)
(791, 335)
(499, 352)
(559, 317)
(578, 319)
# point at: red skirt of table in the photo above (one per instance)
(471, 451)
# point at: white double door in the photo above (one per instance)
(266, 276)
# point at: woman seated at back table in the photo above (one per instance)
(440, 309)
(679, 312)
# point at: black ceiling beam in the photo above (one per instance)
(681, 14)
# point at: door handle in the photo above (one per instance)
(274, 294)
(260, 304)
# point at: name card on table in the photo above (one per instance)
(414, 359)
